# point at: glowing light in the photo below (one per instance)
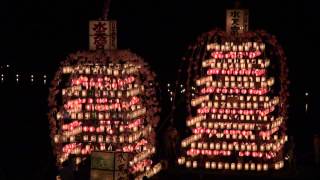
(233, 108)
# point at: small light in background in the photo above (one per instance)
(306, 106)
(44, 79)
(17, 78)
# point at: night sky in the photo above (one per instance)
(36, 35)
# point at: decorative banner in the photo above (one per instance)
(102, 35)
(237, 21)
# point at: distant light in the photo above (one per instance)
(168, 84)
(170, 98)
(2, 79)
(31, 75)
(306, 107)
(44, 76)
(17, 79)
(31, 79)
(181, 85)
(2, 75)
(8, 65)
(307, 94)
(17, 75)
(44, 81)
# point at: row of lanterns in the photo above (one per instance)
(225, 90)
(247, 72)
(251, 81)
(243, 146)
(234, 85)
(228, 125)
(78, 91)
(150, 172)
(234, 54)
(233, 166)
(113, 69)
(254, 98)
(90, 115)
(238, 105)
(143, 155)
(263, 112)
(235, 105)
(106, 81)
(100, 138)
(232, 46)
(141, 166)
(236, 63)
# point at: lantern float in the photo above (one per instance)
(238, 109)
(105, 100)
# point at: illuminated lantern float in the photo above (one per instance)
(237, 93)
(105, 100)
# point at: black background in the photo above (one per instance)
(36, 35)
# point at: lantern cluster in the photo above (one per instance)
(235, 113)
(105, 102)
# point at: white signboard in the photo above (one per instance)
(237, 21)
(102, 35)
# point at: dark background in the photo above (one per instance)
(36, 35)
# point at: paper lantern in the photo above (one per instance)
(188, 164)
(207, 165)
